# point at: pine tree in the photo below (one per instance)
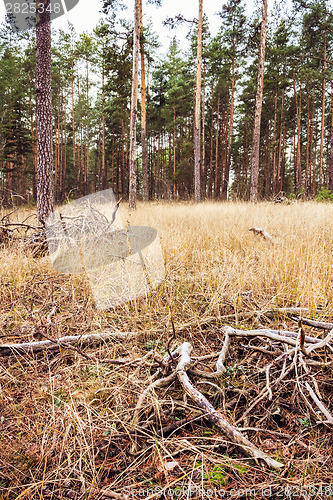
(134, 106)
(44, 111)
(197, 112)
(258, 107)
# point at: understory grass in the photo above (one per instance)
(65, 420)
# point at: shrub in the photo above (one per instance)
(324, 195)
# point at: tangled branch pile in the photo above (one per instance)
(294, 360)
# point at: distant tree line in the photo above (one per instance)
(176, 133)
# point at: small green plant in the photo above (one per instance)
(305, 421)
(60, 398)
(241, 468)
(324, 195)
(217, 476)
(157, 345)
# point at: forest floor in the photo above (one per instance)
(66, 418)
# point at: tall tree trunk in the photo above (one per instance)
(45, 201)
(73, 127)
(224, 149)
(312, 118)
(274, 176)
(34, 151)
(197, 188)
(134, 107)
(61, 163)
(210, 180)
(144, 131)
(246, 161)
(79, 174)
(231, 128)
(203, 158)
(217, 163)
(280, 150)
(122, 163)
(104, 167)
(315, 141)
(283, 159)
(87, 152)
(307, 175)
(258, 107)
(330, 174)
(56, 147)
(267, 176)
(322, 131)
(298, 167)
(174, 148)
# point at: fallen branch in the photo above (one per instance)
(214, 417)
(315, 324)
(284, 311)
(261, 232)
(321, 406)
(279, 335)
(35, 347)
(323, 343)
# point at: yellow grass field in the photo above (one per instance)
(65, 418)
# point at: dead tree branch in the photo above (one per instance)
(35, 347)
(214, 417)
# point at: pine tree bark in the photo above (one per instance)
(210, 180)
(297, 163)
(274, 176)
(330, 173)
(45, 201)
(231, 128)
(203, 157)
(134, 107)
(217, 157)
(87, 148)
(174, 148)
(307, 176)
(144, 131)
(322, 130)
(73, 127)
(258, 107)
(104, 167)
(197, 188)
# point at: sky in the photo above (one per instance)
(86, 14)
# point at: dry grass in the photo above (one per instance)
(65, 421)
